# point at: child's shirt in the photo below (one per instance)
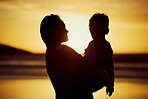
(99, 53)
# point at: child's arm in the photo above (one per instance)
(110, 88)
(104, 59)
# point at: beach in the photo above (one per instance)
(25, 77)
(43, 89)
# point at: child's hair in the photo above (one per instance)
(99, 18)
(99, 22)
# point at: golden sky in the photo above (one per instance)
(20, 23)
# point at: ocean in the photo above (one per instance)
(25, 77)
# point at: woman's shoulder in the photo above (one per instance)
(68, 50)
(64, 50)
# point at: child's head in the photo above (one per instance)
(98, 25)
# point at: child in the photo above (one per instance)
(98, 56)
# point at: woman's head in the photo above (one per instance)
(53, 30)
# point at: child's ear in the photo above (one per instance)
(107, 31)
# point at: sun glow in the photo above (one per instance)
(20, 23)
(78, 35)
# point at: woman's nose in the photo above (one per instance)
(67, 31)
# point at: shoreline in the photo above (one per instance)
(117, 80)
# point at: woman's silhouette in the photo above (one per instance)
(62, 62)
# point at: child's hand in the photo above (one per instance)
(109, 90)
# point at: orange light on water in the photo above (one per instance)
(42, 88)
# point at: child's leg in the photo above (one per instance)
(97, 79)
(101, 74)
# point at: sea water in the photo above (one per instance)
(25, 77)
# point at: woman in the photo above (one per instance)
(63, 64)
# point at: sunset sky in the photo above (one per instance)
(20, 23)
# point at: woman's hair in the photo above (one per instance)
(48, 27)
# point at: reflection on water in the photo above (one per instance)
(26, 89)
(25, 77)
(124, 90)
(42, 89)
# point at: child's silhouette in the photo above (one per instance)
(98, 55)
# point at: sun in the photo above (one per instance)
(78, 34)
